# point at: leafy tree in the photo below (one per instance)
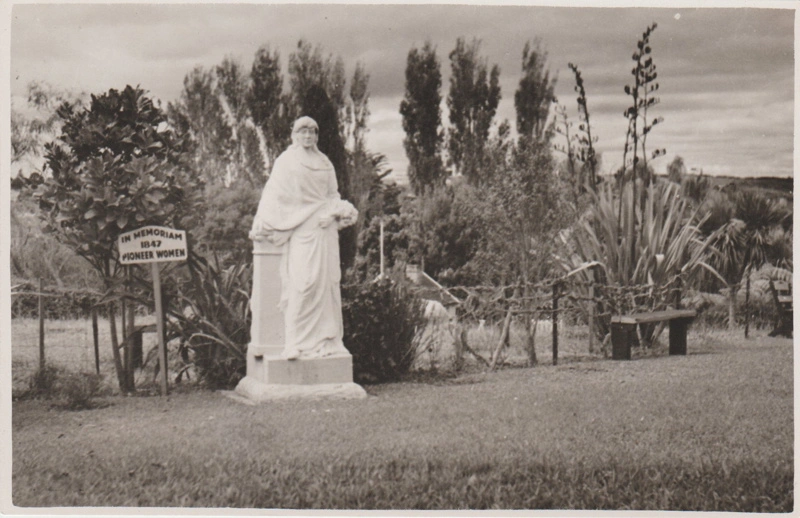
(36, 124)
(307, 68)
(358, 109)
(229, 212)
(233, 82)
(422, 118)
(248, 157)
(116, 166)
(447, 236)
(200, 115)
(676, 170)
(363, 166)
(472, 101)
(269, 107)
(34, 254)
(534, 94)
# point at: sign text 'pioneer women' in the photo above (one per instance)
(152, 244)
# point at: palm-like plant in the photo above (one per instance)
(761, 216)
(726, 257)
(750, 238)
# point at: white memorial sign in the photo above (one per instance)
(152, 245)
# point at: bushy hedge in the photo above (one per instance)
(380, 322)
(712, 310)
(58, 305)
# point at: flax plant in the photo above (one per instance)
(642, 275)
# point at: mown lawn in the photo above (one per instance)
(709, 431)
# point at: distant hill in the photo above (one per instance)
(775, 187)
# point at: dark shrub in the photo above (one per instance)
(42, 383)
(380, 322)
(77, 390)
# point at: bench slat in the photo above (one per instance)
(654, 316)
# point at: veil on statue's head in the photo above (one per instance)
(312, 158)
(303, 122)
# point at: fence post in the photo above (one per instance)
(555, 323)
(460, 338)
(95, 338)
(747, 306)
(41, 324)
(591, 309)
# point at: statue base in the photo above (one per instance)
(270, 377)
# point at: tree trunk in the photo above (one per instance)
(530, 338)
(112, 319)
(531, 332)
(732, 307)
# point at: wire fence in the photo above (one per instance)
(492, 325)
(65, 330)
(577, 306)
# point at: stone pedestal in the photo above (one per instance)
(269, 376)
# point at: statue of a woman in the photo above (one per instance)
(301, 211)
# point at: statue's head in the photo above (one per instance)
(305, 132)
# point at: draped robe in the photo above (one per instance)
(297, 194)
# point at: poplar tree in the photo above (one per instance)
(534, 95)
(473, 100)
(422, 119)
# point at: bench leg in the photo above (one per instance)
(677, 335)
(138, 350)
(621, 339)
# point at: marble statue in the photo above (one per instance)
(301, 211)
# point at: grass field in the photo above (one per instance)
(709, 431)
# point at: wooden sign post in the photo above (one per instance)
(154, 245)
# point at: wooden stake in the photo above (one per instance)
(162, 347)
(591, 318)
(502, 341)
(555, 324)
(96, 338)
(127, 352)
(381, 246)
(41, 324)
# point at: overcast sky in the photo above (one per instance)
(726, 74)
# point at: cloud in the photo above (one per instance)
(718, 67)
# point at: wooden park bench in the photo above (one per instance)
(782, 296)
(623, 330)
